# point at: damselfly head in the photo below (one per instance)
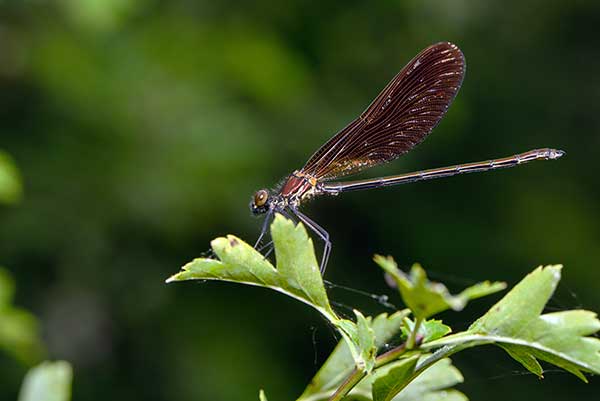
(260, 202)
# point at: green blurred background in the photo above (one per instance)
(142, 127)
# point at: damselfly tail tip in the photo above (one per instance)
(555, 154)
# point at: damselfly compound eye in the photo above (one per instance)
(260, 197)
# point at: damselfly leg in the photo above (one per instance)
(320, 231)
(269, 246)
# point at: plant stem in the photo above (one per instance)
(351, 381)
(412, 338)
(390, 356)
(357, 375)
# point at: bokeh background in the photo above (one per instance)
(142, 127)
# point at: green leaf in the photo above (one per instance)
(387, 327)
(559, 338)
(434, 384)
(429, 330)
(394, 378)
(516, 324)
(296, 261)
(361, 340)
(525, 358)
(366, 341)
(426, 298)
(416, 378)
(340, 363)
(297, 273)
(19, 332)
(49, 381)
(480, 290)
(10, 180)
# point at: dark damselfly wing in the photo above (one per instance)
(399, 118)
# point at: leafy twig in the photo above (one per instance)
(515, 323)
